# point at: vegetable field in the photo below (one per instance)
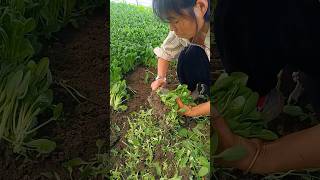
(151, 140)
(44, 99)
(57, 62)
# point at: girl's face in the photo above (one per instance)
(185, 25)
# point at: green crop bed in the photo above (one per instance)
(134, 33)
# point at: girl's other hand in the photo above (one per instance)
(227, 139)
(187, 109)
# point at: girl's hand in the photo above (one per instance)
(188, 109)
(194, 111)
(227, 139)
(157, 83)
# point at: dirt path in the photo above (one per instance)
(79, 58)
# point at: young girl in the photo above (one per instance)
(189, 42)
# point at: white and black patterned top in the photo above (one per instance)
(173, 45)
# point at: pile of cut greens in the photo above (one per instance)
(237, 104)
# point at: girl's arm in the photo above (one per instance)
(297, 151)
(168, 51)
(162, 73)
(162, 67)
(199, 110)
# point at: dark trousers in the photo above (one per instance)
(193, 67)
(260, 43)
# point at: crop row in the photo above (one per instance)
(134, 32)
(25, 78)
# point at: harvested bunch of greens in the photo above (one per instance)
(169, 99)
(237, 104)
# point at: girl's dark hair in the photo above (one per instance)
(162, 8)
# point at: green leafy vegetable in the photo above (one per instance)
(237, 104)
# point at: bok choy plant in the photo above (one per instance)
(24, 95)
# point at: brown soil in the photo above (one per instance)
(185, 173)
(159, 109)
(79, 58)
(141, 90)
(159, 155)
(168, 157)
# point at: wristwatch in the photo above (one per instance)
(161, 77)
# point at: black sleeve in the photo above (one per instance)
(261, 37)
